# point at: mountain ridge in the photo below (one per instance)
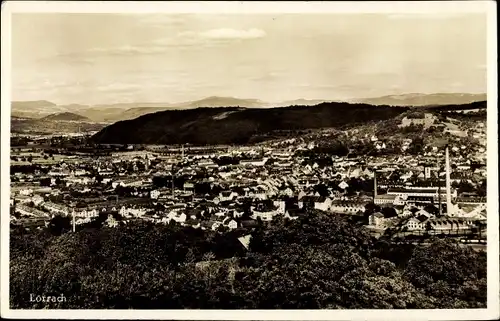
(419, 99)
(123, 111)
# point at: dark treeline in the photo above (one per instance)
(318, 261)
(202, 126)
(473, 105)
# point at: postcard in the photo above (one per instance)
(249, 160)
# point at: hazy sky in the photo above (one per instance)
(107, 58)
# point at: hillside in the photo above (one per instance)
(35, 109)
(47, 126)
(124, 111)
(66, 116)
(424, 99)
(236, 125)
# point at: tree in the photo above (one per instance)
(389, 212)
(318, 261)
(322, 189)
(443, 270)
(45, 181)
(59, 225)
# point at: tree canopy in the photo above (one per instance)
(317, 261)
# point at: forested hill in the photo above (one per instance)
(66, 116)
(237, 125)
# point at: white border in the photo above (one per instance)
(453, 7)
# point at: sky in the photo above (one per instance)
(114, 58)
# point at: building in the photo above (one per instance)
(347, 207)
(419, 192)
(376, 220)
(264, 216)
(385, 199)
(414, 224)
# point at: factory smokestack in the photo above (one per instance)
(439, 198)
(374, 185)
(448, 184)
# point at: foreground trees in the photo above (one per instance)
(320, 261)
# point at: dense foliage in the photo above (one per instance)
(318, 261)
(237, 125)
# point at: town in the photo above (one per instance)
(439, 191)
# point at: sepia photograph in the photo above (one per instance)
(253, 158)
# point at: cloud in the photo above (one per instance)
(227, 33)
(185, 39)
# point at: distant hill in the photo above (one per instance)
(215, 101)
(66, 116)
(235, 124)
(300, 102)
(35, 109)
(54, 124)
(123, 111)
(423, 99)
(209, 102)
(33, 104)
(477, 105)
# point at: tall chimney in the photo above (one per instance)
(74, 225)
(439, 197)
(173, 186)
(374, 185)
(448, 184)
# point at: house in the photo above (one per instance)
(111, 221)
(29, 211)
(26, 191)
(179, 218)
(323, 203)
(229, 222)
(264, 214)
(254, 162)
(227, 196)
(426, 119)
(414, 224)
(294, 214)
(155, 194)
(86, 213)
(423, 212)
(55, 208)
(210, 225)
(343, 185)
(245, 240)
(37, 200)
(281, 205)
(188, 186)
(405, 212)
(376, 220)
